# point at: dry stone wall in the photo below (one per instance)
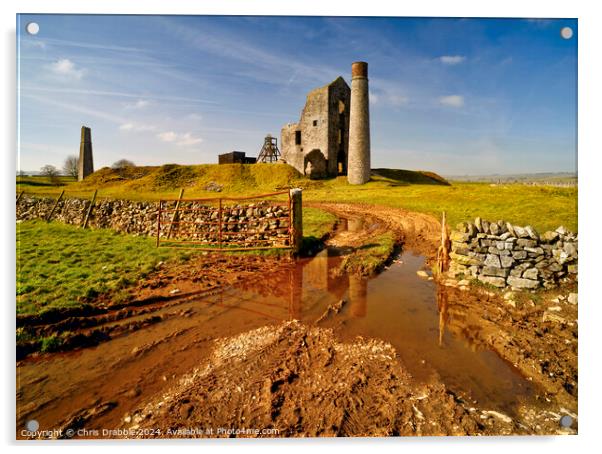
(506, 255)
(261, 223)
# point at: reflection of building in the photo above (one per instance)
(315, 273)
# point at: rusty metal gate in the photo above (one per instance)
(227, 223)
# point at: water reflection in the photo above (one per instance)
(358, 296)
(430, 329)
(442, 306)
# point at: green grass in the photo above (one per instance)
(61, 266)
(370, 257)
(544, 207)
(317, 223)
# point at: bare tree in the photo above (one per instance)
(122, 164)
(51, 173)
(70, 166)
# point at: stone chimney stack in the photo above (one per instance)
(85, 164)
(358, 170)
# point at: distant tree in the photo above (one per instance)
(122, 164)
(50, 172)
(70, 166)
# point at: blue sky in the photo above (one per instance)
(455, 96)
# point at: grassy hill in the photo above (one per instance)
(544, 207)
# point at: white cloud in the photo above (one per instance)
(452, 59)
(132, 126)
(374, 98)
(139, 104)
(167, 136)
(452, 100)
(66, 68)
(188, 139)
(398, 100)
(182, 140)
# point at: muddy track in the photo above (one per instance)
(293, 380)
(171, 285)
(292, 377)
(416, 231)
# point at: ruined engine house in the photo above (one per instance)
(321, 144)
(318, 145)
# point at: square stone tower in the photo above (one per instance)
(317, 145)
(85, 164)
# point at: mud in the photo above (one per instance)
(417, 232)
(293, 380)
(517, 329)
(264, 343)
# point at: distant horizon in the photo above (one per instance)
(452, 96)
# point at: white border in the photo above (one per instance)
(590, 78)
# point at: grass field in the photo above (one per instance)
(61, 265)
(544, 207)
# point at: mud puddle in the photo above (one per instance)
(95, 387)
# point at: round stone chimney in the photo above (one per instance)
(358, 161)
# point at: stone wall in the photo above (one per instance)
(260, 223)
(505, 255)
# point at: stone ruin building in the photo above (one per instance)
(85, 163)
(332, 136)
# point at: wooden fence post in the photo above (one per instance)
(443, 252)
(159, 223)
(85, 224)
(58, 199)
(175, 214)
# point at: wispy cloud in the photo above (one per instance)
(66, 68)
(139, 104)
(258, 62)
(185, 139)
(387, 92)
(167, 136)
(452, 59)
(118, 94)
(97, 46)
(452, 100)
(77, 108)
(133, 126)
(188, 139)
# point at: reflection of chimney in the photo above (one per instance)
(358, 296)
(295, 293)
(315, 273)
